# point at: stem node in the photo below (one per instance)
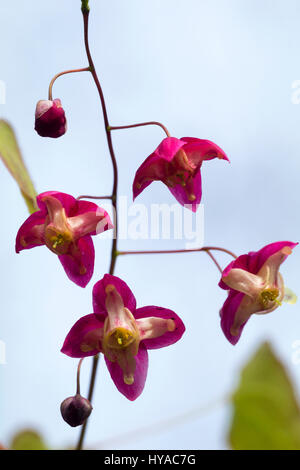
(85, 8)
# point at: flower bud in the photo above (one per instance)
(75, 410)
(50, 119)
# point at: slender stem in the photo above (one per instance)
(206, 249)
(78, 376)
(93, 197)
(86, 69)
(150, 123)
(85, 12)
(162, 252)
(108, 136)
(90, 396)
(214, 260)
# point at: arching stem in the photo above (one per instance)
(86, 69)
(163, 252)
(149, 123)
(206, 249)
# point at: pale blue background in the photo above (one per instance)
(219, 69)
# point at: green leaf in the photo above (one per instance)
(12, 159)
(266, 413)
(28, 439)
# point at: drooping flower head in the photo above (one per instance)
(123, 334)
(254, 285)
(177, 163)
(75, 410)
(50, 119)
(65, 226)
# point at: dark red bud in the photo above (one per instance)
(50, 119)
(75, 410)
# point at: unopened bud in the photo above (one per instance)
(75, 410)
(50, 119)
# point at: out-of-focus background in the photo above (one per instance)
(222, 70)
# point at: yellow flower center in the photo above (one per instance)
(58, 241)
(58, 233)
(268, 296)
(120, 338)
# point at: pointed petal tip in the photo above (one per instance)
(223, 156)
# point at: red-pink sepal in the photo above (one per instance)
(99, 294)
(79, 262)
(227, 314)
(84, 338)
(31, 232)
(132, 392)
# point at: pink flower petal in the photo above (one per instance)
(154, 167)
(79, 263)
(30, 233)
(168, 148)
(99, 294)
(182, 193)
(228, 313)
(169, 337)
(198, 150)
(254, 260)
(69, 203)
(90, 219)
(257, 259)
(132, 392)
(87, 206)
(84, 338)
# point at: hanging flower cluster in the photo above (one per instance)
(116, 328)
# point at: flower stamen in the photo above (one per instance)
(58, 240)
(119, 338)
(268, 296)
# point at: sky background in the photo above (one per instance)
(220, 70)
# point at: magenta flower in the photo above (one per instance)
(50, 119)
(254, 285)
(123, 334)
(177, 163)
(65, 226)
